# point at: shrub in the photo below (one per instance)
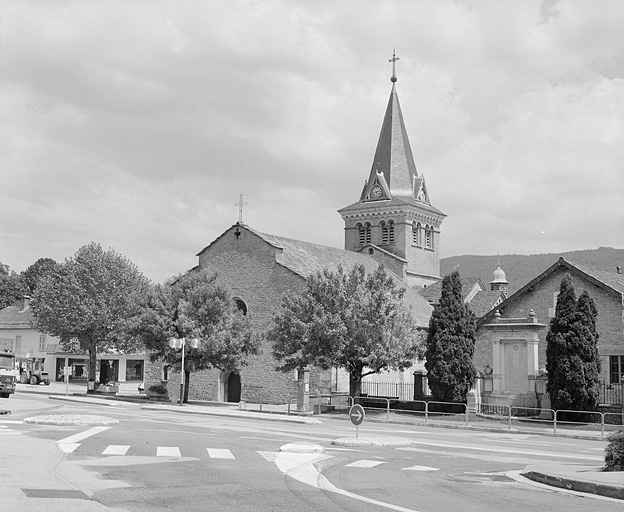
(614, 452)
(158, 388)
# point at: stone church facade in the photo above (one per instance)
(393, 223)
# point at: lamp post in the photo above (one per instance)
(178, 343)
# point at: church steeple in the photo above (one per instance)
(394, 220)
(393, 157)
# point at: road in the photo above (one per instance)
(157, 460)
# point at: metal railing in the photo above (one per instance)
(612, 394)
(402, 390)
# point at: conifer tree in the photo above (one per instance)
(450, 344)
(572, 360)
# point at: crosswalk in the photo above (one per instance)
(222, 454)
(6, 431)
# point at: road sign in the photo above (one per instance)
(356, 414)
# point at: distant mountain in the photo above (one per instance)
(522, 268)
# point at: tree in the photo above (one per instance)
(450, 344)
(572, 360)
(36, 271)
(11, 286)
(352, 320)
(86, 301)
(194, 306)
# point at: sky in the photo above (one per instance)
(137, 124)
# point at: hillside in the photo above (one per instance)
(522, 268)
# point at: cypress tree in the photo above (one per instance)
(571, 352)
(450, 344)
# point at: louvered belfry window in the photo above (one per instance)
(384, 233)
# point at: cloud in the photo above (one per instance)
(142, 122)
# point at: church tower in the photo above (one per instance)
(394, 220)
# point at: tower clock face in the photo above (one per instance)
(376, 192)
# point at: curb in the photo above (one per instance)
(394, 442)
(268, 416)
(610, 491)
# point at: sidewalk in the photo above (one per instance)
(581, 478)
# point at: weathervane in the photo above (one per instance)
(393, 60)
(240, 205)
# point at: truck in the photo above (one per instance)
(31, 371)
(8, 374)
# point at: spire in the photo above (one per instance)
(393, 156)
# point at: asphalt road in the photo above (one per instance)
(158, 460)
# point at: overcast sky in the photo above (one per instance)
(138, 123)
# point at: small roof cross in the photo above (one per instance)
(240, 205)
(393, 60)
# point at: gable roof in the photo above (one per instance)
(609, 281)
(474, 294)
(306, 259)
(14, 317)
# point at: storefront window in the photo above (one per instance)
(134, 369)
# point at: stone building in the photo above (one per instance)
(511, 339)
(393, 223)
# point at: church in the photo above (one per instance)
(393, 223)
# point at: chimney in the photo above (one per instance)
(24, 302)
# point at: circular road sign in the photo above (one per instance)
(356, 414)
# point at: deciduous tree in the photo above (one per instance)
(193, 306)
(450, 344)
(350, 320)
(86, 301)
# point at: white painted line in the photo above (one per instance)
(421, 468)
(499, 450)
(301, 467)
(364, 464)
(83, 435)
(68, 447)
(116, 449)
(168, 451)
(10, 433)
(218, 453)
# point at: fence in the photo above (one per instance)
(612, 394)
(400, 390)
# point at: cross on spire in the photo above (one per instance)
(240, 205)
(393, 60)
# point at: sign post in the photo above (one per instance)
(356, 415)
(66, 373)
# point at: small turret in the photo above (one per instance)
(499, 283)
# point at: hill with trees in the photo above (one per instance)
(522, 268)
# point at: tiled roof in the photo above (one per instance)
(433, 291)
(305, 259)
(610, 279)
(13, 317)
(483, 302)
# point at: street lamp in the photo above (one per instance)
(178, 343)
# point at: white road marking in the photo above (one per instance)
(300, 466)
(421, 468)
(168, 451)
(10, 433)
(499, 450)
(82, 435)
(67, 447)
(116, 449)
(218, 453)
(364, 464)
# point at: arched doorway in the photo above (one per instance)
(233, 388)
